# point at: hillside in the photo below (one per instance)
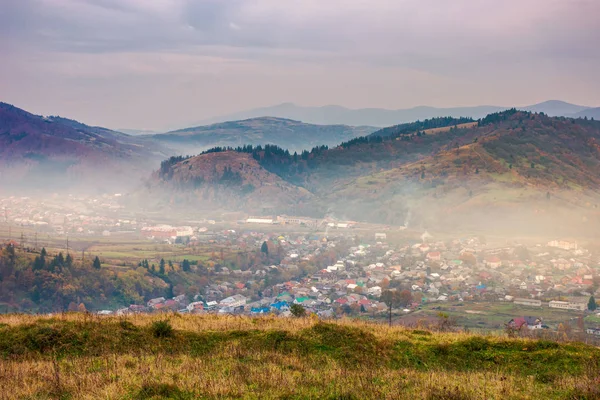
(512, 170)
(328, 115)
(38, 151)
(187, 357)
(589, 113)
(286, 133)
(525, 172)
(225, 180)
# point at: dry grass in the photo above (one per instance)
(88, 357)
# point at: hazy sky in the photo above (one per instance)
(162, 63)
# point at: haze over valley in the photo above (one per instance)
(339, 199)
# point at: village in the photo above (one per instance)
(335, 268)
(342, 273)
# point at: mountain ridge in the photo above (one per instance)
(379, 117)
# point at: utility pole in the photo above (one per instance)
(36, 242)
(67, 244)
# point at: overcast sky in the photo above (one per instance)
(152, 64)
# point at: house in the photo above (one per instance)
(493, 262)
(234, 301)
(154, 302)
(528, 322)
(434, 256)
(593, 331)
(195, 307)
(380, 236)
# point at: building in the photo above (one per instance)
(234, 301)
(380, 236)
(493, 262)
(434, 256)
(563, 244)
(528, 322)
(260, 220)
(567, 305)
(528, 302)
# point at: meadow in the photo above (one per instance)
(82, 356)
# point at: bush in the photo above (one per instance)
(162, 329)
(298, 311)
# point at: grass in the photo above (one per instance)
(81, 356)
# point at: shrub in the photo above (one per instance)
(298, 311)
(162, 329)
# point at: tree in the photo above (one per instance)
(69, 261)
(392, 299)
(161, 268)
(405, 298)
(185, 265)
(265, 248)
(298, 311)
(97, 264)
(592, 306)
(81, 308)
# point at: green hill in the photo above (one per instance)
(188, 357)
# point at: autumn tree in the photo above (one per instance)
(392, 299)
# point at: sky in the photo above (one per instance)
(156, 64)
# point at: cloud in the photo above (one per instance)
(456, 52)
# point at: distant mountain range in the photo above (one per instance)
(333, 115)
(286, 133)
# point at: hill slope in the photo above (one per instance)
(512, 170)
(226, 180)
(190, 356)
(521, 172)
(36, 150)
(286, 133)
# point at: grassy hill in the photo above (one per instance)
(188, 357)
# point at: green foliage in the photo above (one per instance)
(185, 265)
(592, 306)
(265, 248)
(97, 264)
(298, 311)
(162, 329)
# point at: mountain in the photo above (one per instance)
(225, 180)
(555, 108)
(286, 133)
(510, 171)
(589, 113)
(50, 152)
(328, 115)
(138, 132)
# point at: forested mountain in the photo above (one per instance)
(531, 166)
(286, 133)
